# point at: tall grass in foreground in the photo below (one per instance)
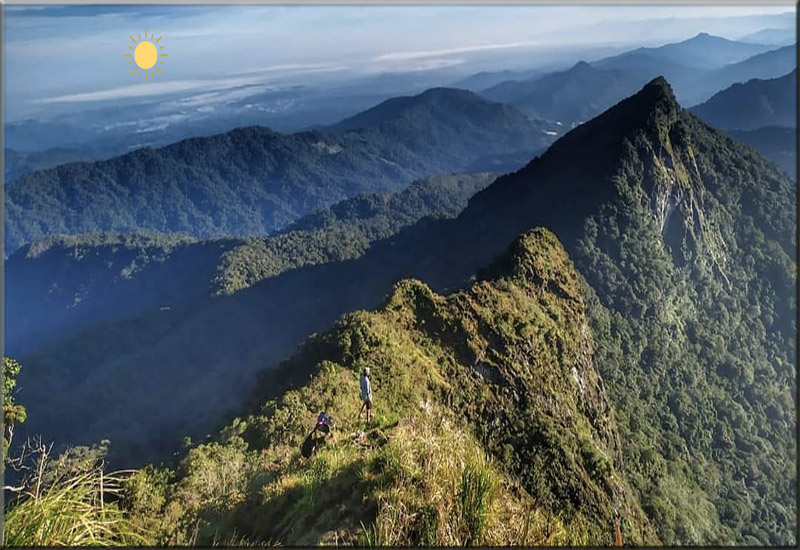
(76, 508)
(477, 490)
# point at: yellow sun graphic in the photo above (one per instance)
(145, 55)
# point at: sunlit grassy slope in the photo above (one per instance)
(492, 427)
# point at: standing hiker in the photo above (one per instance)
(366, 395)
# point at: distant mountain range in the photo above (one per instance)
(702, 51)
(18, 163)
(760, 113)
(693, 67)
(99, 129)
(692, 318)
(572, 96)
(253, 181)
(753, 104)
(486, 79)
(770, 64)
(697, 67)
(775, 37)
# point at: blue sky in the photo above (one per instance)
(75, 53)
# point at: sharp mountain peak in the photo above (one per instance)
(658, 93)
(650, 107)
(581, 65)
(704, 36)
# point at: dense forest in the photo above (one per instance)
(688, 244)
(649, 386)
(505, 366)
(253, 181)
(776, 143)
(65, 283)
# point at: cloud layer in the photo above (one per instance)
(73, 54)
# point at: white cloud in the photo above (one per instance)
(220, 96)
(25, 8)
(214, 47)
(150, 89)
(159, 123)
(293, 68)
(419, 54)
(233, 85)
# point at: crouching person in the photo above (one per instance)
(322, 429)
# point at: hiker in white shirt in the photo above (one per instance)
(366, 395)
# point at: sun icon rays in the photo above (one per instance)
(146, 55)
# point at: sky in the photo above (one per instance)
(69, 54)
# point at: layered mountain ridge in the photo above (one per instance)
(697, 68)
(505, 366)
(754, 104)
(65, 283)
(253, 181)
(684, 241)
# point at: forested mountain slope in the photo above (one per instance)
(753, 104)
(253, 181)
(777, 143)
(64, 283)
(686, 242)
(493, 427)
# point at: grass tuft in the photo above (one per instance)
(475, 497)
(79, 510)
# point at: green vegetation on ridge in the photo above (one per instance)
(776, 144)
(505, 367)
(254, 181)
(686, 242)
(13, 412)
(345, 230)
(63, 283)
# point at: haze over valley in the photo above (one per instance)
(568, 259)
